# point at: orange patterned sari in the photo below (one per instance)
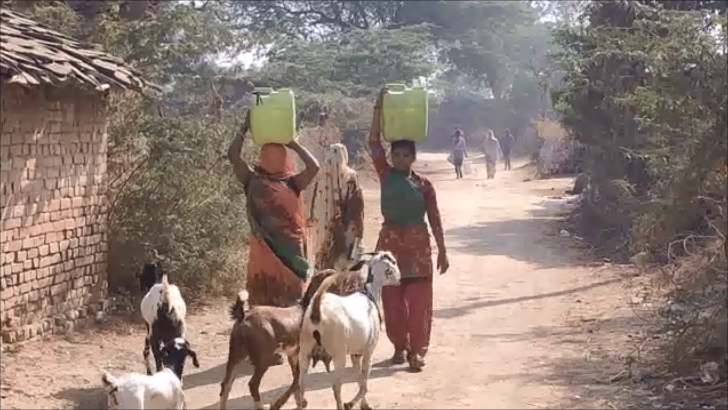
(277, 266)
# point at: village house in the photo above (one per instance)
(53, 155)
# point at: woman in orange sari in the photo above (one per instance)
(277, 265)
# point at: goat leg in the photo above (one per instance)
(234, 359)
(303, 363)
(254, 385)
(362, 377)
(356, 363)
(281, 401)
(157, 352)
(145, 352)
(339, 368)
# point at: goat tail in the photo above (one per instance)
(316, 305)
(237, 310)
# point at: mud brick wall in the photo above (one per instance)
(52, 189)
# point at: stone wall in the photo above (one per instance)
(52, 183)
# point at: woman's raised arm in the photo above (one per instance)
(379, 157)
(303, 179)
(240, 167)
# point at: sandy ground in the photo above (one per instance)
(521, 320)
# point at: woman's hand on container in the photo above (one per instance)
(443, 264)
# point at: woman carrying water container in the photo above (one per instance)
(406, 197)
(277, 265)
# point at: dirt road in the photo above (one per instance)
(511, 320)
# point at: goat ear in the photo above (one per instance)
(388, 256)
(191, 353)
(108, 381)
(357, 266)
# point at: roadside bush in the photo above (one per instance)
(645, 95)
(173, 193)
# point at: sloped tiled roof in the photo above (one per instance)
(33, 54)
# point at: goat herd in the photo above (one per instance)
(338, 316)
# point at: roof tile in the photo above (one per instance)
(31, 53)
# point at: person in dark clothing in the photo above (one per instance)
(506, 143)
(458, 152)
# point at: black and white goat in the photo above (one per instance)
(347, 325)
(164, 311)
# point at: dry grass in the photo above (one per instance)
(231, 278)
(679, 352)
(696, 316)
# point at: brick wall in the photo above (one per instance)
(52, 188)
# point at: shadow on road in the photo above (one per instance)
(314, 381)
(595, 368)
(85, 398)
(519, 239)
(453, 312)
(214, 375)
(95, 398)
(592, 375)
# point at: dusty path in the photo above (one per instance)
(509, 320)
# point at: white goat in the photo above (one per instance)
(348, 325)
(164, 311)
(162, 390)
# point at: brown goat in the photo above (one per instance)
(261, 331)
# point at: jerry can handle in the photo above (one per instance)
(258, 91)
(262, 90)
(397, 88)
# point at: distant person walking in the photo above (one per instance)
(506, 143)
(458, 153)
(492, 153)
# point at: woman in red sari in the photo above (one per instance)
(277, 264)
(406, 197)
